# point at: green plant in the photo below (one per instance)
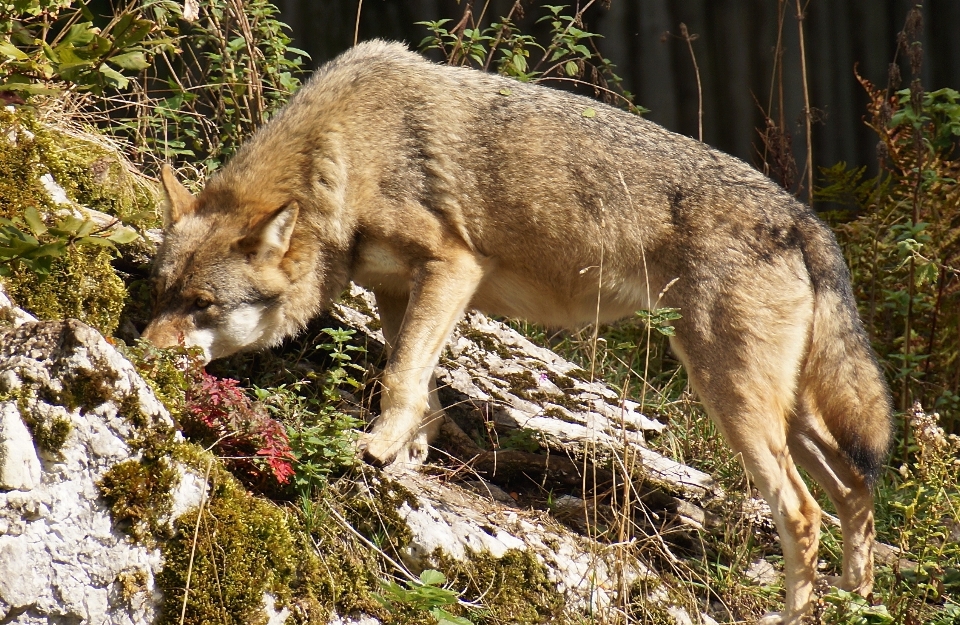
(900, 232)
(229, 69)
(849, 608)
(922, 500)
(425, 595)
(36, 248)
(322, 436)
(194, 85)
(660, 319)
(522, 439)
(51, 45)
(569, 55)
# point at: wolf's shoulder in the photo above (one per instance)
(371, 55)
(379, 50)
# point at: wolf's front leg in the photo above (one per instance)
(392, 308)
(441, 290)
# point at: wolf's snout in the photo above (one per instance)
(158, 335)
(164, 333)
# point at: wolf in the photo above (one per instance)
(443, 189)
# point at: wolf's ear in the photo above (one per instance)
(270, 238)
(178, 201)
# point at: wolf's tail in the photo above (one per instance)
(841, 376)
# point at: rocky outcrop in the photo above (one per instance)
(71, 407)
(62, 390)
(491, 374)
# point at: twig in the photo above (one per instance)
(196, 532)
(806, 106)
(496, 42)
(583, 82)
(689, 39)
(596, 322)
(356, 28)
(777, 79)
(578, 19)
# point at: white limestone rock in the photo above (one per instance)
(10, 315)
(453, 521)
(489, 362)
(19, 464)
(61, 559)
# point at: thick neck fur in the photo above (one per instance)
(269, 173)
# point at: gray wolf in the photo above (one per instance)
(443, 188)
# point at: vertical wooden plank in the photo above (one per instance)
(733, 61)
(657, 87)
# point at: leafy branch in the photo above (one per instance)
(37, 246)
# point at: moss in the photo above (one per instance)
(563, 382)
(87, 390)
(522, 439)
(348, 574)
(375, 514)
(513, 589)
(82, 283)
(138, 495)
(168, 372)
(244, 548)
(130, 409)
(556, 413)
(578, 374)
(485, 341)
(649, 597)
(49, 433)
(133, 583)
(83, 164)
(523, 385)
(520, 383)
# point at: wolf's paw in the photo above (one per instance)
(844, 583)
(385, 446)
(390, 441)
(414, 453)
(776, 618)
(377, 449)
(381, 453)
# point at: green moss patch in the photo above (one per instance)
(88, 169)
(138, 495)
(513, 588)
(168, 372)
(244, 548)
(49, 433)
(82, 284)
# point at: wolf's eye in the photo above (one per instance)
(202, 302)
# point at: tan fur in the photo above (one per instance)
(443, 189)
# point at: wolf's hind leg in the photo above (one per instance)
(745, 371)
(757, 433)
(817, 452)
(440, 292)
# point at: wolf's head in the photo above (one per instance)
(224, 271)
